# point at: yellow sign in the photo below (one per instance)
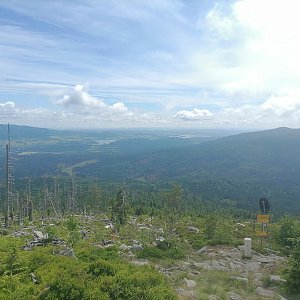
(261, 233)
(263, 218)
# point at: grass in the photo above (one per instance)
(69, 170)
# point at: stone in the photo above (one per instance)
(240, 279)
(253, 266)
(136, 248)
(234, 296)
(194, 272)
(141, 262)
(202, 250)
(193, 229)
(124, 247)
(211, 265)
(186, 294)
(265, 293)
(257, 280)
(160, 239)
(110, 226)
(33, 278)
(107, 242)
(277, 279)
(241, 247)
(38, 234)
(213, 297)
(190, 283)
(65, 252)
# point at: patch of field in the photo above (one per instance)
(27, 153)
(69, 169)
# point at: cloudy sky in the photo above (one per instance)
(150, 63)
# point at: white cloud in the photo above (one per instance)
(79, 97)
(263, 45)
(7, 108)
(194, 115)
(81, 102)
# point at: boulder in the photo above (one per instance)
(253, 266)
(124, 247)
(234, 296)
(65, 252)
(190, 283)
(202, 250)
(193, 229)
(39, 235)
(140, 262)
(277, 279)
(265, 293)
(240, 279)
(136, 248)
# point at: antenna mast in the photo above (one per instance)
(9, 181)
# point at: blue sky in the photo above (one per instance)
(156, 63)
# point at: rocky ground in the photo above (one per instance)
(212, 272)
(222, 272)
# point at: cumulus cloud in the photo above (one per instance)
(7, 108)
(79, 101)
(80, 97)
(283, 105)
(194, 115)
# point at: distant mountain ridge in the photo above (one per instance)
(21, 131)
(245, 155)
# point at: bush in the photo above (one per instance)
(102, 267)
(293, 272)
(287, 233)
(164, 250)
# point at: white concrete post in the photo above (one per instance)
(247, 247)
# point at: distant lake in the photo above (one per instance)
(104, 142)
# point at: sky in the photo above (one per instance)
(150, 63)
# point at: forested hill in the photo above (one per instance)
(242, 167)
(271, 155)
(17, 131)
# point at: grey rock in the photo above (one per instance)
(136, 248)
(213, 297)
(211, 265)
(253, 266)
(65, 252)
(124, 247)
(240, 279)
(186, 294)
(26, 248)
(107, 242)
(141, 262)
(193, 229)
(202, 250)
(39, 235)
(234, 296)
(160, 239)
(195, 272)
(33, 278)
(265, 293)
(190, 283)
(257, 280)
(277, 279)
